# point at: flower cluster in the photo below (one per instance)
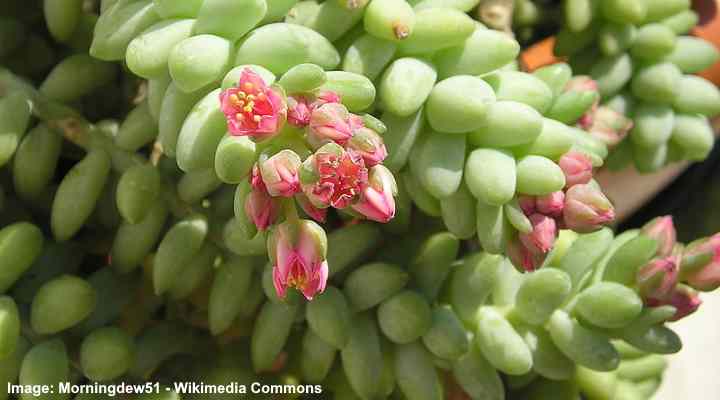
(659, 280)
(581, 206)
(344, 171)
(675, 274)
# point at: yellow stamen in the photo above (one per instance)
(241, 94)
(300, 282)
(257, 118)
(249, 106)
(239, 117)
(250, 97)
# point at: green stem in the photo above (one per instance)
(291, 214)
(68, 122)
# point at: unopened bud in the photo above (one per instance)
(577, 168)
(663, 231)
(551, 204)
(542, 238)
(586, 209)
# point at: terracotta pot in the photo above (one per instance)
(541, 53)
(709, 29)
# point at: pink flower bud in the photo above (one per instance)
(369, 145)
(577, 168)
(325, 97)
(331, 122)
(377, 201)
(542, 238)
(706, 275)
(523, 258)
(256, 178)
(657, 279)
(609, 126)
(318, 214)
(280, 173)
(252, 108)
(551, 204)
(685, 300)
(298, 251)
(586, 209)
(663, 231)
(298, 111)
(261, 209)
(333, 177)
(528, 204)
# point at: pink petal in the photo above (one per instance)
(279, 283)
(317, 284)
(248, 75)
(284, 255)
(308, 251)
(376, 206)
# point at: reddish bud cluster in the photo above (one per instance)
(581, 207)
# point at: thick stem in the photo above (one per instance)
(68, 122)
(290, 210)
(77, 130)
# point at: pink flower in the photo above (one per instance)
(280, 173)
(252, 108)
(298, 111)
(331, 122)
(369, 145)
(298, 252)
(551, 204)
(318, 214)
(586, 209)
(334, 177)
(663, 231)
(542, 238)
(657, 279)
(377, 201)
(577, 168)
(522, 257)
(609, 126)
(701, 263)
